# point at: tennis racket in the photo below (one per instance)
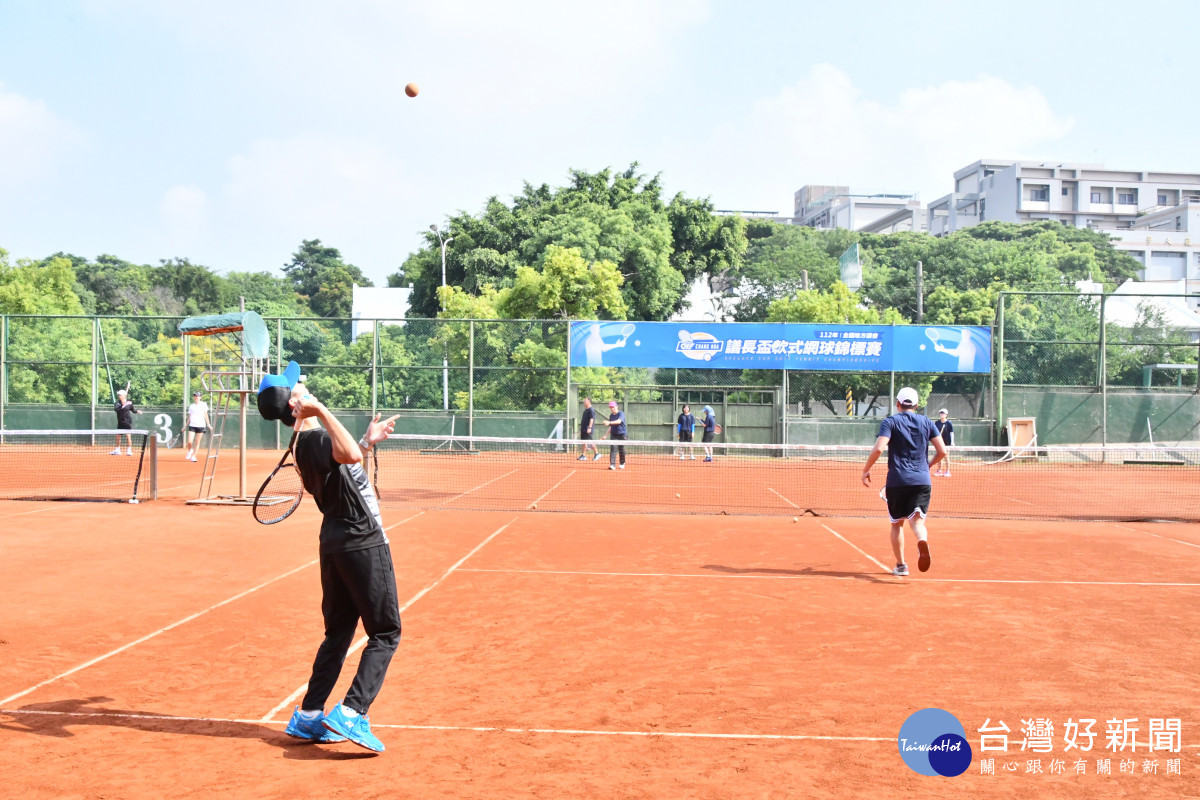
(933, 334)
(717, 428)
(281, 492)
(174, 441)
(626, 332)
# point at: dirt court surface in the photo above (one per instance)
(157, 650)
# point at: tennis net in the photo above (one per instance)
(78, 465)
(1119, 483)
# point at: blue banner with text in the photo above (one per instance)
(783, 345)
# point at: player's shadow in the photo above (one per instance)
(57, 718)
(806, 572)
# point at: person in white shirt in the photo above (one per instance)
(197, 424)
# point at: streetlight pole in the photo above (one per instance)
(445, 361)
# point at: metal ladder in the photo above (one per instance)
(215, 436)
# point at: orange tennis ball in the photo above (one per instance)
(412, 90)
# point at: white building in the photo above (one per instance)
(370, 303)
(1079, 195)
(1153, 216)
(836, 207)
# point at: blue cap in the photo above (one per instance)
(287, 379)
(274, 394)
(709, 410)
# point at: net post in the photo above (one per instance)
(153, 448)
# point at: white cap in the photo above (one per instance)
(121, 393)
(943, 411)
(907, 396)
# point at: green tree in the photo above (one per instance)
(621, 218)
(319, 274)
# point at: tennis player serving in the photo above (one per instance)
(357, 577)
(907, 436)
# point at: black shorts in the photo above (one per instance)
(685, 436)
(708, 436)
(197, 430)
(905, 502)
(584, 435)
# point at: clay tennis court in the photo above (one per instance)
(157, 650)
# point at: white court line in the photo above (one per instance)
(1015, 500)
(291, 698)
(1156, 535)
(149, 636)
(551, 489)
(477, 728)
(480, 486)
(401, 522)
(874, 560)
(810, 577)
(789, 502)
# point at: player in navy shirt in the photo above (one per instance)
(945, 429)
(587, 424)
(710, 430)
(686, 424)
(618, 431)
(907, 436)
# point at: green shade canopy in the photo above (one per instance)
(256, 341)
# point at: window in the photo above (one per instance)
(1039, 194)
(1066, 191)
(1162, 199)
(1096, 197)
(1127, 197)
(982, 208)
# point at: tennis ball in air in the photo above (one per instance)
(412, 90)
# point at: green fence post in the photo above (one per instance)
(1103, 375)
(278, 368)
(95, 366)
(3, 366)
(375, 369)
(999, 427)
(471, 380)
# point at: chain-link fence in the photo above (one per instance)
(1087, 367)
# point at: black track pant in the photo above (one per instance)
(356, 585)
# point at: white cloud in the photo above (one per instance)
(821, 130)
(32, 140)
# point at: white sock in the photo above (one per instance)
(350, 712)
(310, 714)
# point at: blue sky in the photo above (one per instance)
(227, 132)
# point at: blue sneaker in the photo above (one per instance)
(355, 728)
(304, 728)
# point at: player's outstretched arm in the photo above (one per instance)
(345, 446)
(872, 457)
(939, 450)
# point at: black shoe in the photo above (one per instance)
(923, 559)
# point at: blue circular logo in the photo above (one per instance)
(933, 742)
